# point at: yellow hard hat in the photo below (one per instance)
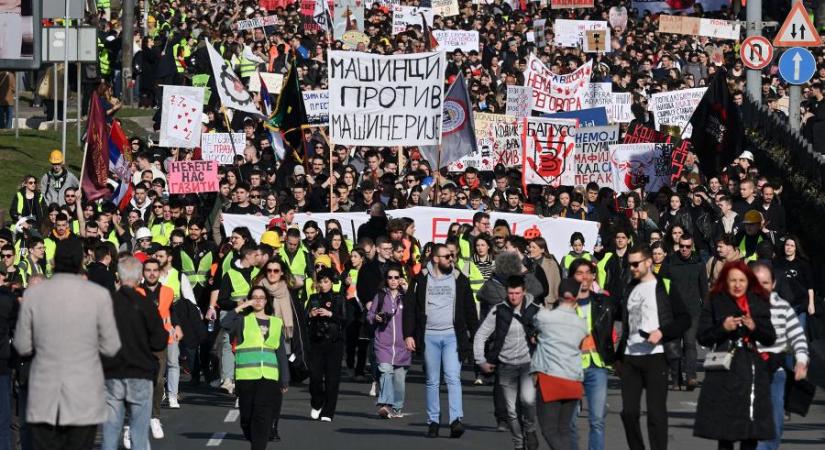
(271, 238)
(56, 157)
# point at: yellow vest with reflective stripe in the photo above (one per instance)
(471, 270)
(744, 251)
(298, 265)
(245, 67)
(256, 358)
(568, 259)
(187, 52)
(173, 283)
(592, 357)
(161, 232)
(197, 276)
(601, 269)
(240, 285)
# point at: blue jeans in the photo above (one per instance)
(227, 357)
(392, 389)
(778, 402)
(172, 369)
(6, 116)
(442, 350)
(517, 386)
(595, 389)
(5, 412)
(137, 395)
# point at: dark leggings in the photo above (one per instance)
(259, 402)
(748, 444)
(554, 421)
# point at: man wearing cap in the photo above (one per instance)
(53, 184)
(753, 234)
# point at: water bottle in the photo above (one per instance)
(211, 327)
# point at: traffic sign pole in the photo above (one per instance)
(794, 103)
(753, 15)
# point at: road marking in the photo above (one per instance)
(216, 439)
(232, 415)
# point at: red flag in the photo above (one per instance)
(96, 162)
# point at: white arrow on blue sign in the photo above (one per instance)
(797, 65)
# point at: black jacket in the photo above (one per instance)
(8, 316)
(326, 329)
(465, 319)
(604, 310)
(141, 333)
(101, 275)
(374, 227)
(690, 279)
(674, 318)
(726, 398)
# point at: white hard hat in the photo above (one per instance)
(143, 233)
(746, 155)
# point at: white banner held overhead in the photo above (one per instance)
(221, 147)
(273, 82)
(378, 100)
(519, 101)
(451, 40)
(645, 166)
(404, 16)
(592, 155)
(675, 107)
(316, 104)
(552, 92)
(431, 225)
(180, 120)
(571, 33)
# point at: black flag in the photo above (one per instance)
(289, 116)
(718, 133)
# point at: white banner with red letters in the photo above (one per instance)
(645, 166)
(553, 92)
(547, 146)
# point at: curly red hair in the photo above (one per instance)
(721, 285)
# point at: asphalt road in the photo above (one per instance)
(207, 418)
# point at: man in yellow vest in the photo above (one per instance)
(612, 271)
(600, 311)
(295, 257)
(753, 234)
(31, 264)
(234, 287)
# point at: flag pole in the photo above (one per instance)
(228, 128)
(331, 184)
(83, 163)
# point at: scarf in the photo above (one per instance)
(281, 302)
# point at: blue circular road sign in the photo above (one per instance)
(797, 65)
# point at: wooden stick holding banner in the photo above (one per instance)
(229, 128)
(329, 180)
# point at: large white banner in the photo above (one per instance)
(222, 147)
(640, 166)
(404, 16)
(675, 107)
(547, 146)
(431, 225)
(552, 92)
(592, 155)
(571, 33)
(316, 104)
(180, 120)
(452, 40)
(230, 88)
(377, 100)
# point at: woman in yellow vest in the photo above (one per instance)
(261, 364)
(578, 251)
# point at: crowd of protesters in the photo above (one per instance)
(708, 260)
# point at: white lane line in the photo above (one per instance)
(216, 439)
(232, 415)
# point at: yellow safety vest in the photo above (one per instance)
(103, 55)
(240, 285)
(592, 357)
(245, 67)
(161, 232)
(568, 259)
(471, 270)
(744, 251)
(21, 201)
(601, 269)
(173, 283)
(197, 276)
(298, 265)
(187, 52)
(256, 358)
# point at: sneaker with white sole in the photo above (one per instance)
(315, 413)
(228, 386)
(173, 403)
(326, 419)
(396, 414)
(127, 438)
(157, 428)
(373, 389)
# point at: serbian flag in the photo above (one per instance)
(95, 166)
(119, 166)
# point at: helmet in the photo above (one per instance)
(143, 233)
(271, 238)
(752, 217)
(56, 157)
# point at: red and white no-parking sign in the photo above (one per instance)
(756, 52)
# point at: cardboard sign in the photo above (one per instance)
(192, 177)
(452, 40)
(547, 149)
(386, 100)
(445, 8)
(571, 33)
(222, 148)
(552, 92)
(695, 26)
(595, 41)
(519, 101)
(592, 155)
(316, 104)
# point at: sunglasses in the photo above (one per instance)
(685, 246)
(635, 264)
(462, 197)
(447, 256)
(8, 255)
(320, 266)
(393, 277)
(273, 270)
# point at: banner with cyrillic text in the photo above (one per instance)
(498, 138)
(385, 100)
(192, 177)
(221, 147)
(592, 155)
(452, 40)
(547, 151)
(405, 16)
(552, 92)
(316, 104)
(675, 108)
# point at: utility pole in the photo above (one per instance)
(753, 14)
(127, 48)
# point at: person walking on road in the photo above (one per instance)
(66, 323)
(439, 319)
(326, 336)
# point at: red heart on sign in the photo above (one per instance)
(175, 127)
(179, 116)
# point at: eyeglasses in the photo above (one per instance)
(393, 277)
(447, 256)
(635, 264)
(273, 270)
(255, 196)
(685, 246)
(158, 206)
(8, 255)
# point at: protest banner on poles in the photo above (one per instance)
(192, 177)
(316, 104)
(445, 8)
(219, 146)
(547, 151)
(378, 100)
(452, 40)
(404, 16)
(552, 92)
(563, 4)
(571, 33)
(519, 101)
(592, 155)
(180, 120)
(431, 225)
(676, 107)
(695, 26)
(498, 138)
(273, 82)
(645, 166)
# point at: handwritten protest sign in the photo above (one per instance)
(445, 8)
(640, 134)
(599, 94)
(451, 40)
(677, 161)
(553, 92)
(676, 107)
(180, 120)
(618, 111)
(695, 26)
(260, 22)
(404, 16)
(273, 82)
(547, 151)
(192, 177)
(498, 138)
(561, 4)
(219, 146)
(316, 104)
(378, 100)
(645, 166)
(519, 101)
(592, 155)
(571, 33)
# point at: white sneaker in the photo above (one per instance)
(228, 385)
(373, 389)
(237, 402)
(315, 413)
(157, 429)
(173, 403)
(326, 419)
(127, 438)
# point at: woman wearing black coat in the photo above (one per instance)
(735, 404)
